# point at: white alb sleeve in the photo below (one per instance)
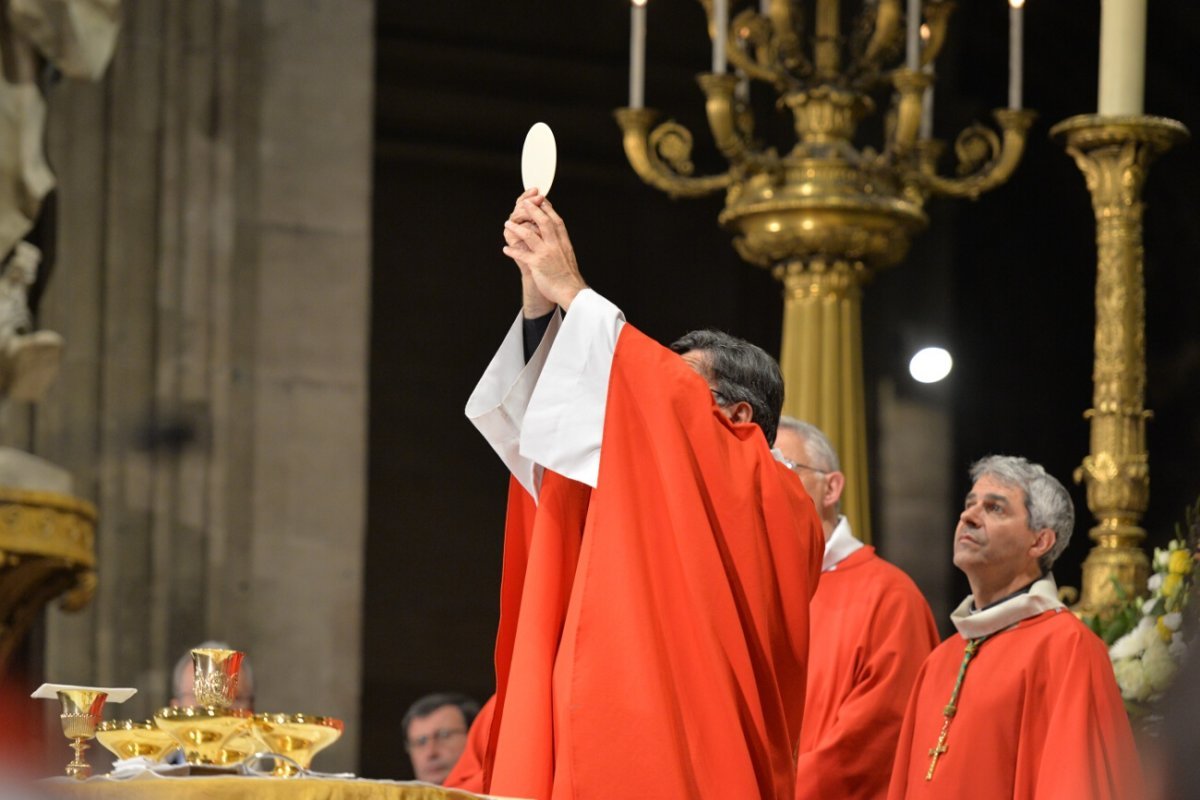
(564, 418)
(498, 405)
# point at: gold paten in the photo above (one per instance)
(297, 736)
(826, 214)
(47, 550)
(126, 738)
(1114, 154)
(81, 709)
(204, 731)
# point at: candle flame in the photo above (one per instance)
(925, 32)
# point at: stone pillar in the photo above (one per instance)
(212, 281)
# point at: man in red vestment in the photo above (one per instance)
(871, 629)
(1022, 702)
(658, 560)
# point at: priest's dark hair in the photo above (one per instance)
(432, 702)
(740, 372)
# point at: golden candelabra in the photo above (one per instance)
(1114, 154)
(825, 214)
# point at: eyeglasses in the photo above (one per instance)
(796, 466)
(441, 736)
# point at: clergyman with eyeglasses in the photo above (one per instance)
(658, 561)
(871, 629)
(435, 733)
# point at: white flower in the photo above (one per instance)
(1173, 620)
(1145, 624)
(1148, 608)
(1131, 645)
(1158, 667)
(1131, 678)
(1154, 584)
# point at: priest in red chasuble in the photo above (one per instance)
(658, 560)
(1021, 703)
(871, 629)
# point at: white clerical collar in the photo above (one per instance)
(840, 544)
(1041, 597)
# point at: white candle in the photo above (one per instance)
(637, 54)
(1122, 56)
(912, 51)
(926, 130)
(764, 7)
(1016, 29)
(720, 32)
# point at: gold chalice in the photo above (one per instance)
(127, 738)
(80, 715)
(203, 731)
(297, 736)
(216, 676)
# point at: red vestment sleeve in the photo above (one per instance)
(1093, 754)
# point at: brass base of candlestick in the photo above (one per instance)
(1114, 154)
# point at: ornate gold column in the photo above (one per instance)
(821, 358)
(1114, 154)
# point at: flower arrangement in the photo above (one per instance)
(1146, 634)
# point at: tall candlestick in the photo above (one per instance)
(1016, 31)
(637, 54)
(720, 32)
(1122, 56)
(912, 50)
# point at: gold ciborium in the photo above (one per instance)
(127, 738)
(216, 676)
(80, 715)
(203, 731)
(297, 736)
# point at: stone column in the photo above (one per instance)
(212, 282)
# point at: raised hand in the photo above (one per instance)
(533, 303)
(544, 251)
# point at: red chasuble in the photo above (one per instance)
(654, 631)
(871, 630)
(1039, 716)
(468, 771)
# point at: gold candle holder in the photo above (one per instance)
(1114, 154)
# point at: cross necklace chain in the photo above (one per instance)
(951, 708)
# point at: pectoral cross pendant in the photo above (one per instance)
(937, 750)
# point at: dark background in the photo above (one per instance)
(1007, 281)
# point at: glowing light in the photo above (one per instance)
(930, 365)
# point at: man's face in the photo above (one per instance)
(993, 533)
(795, 449)
(435, 742)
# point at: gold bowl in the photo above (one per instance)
(204, 731)
(297, 736)
(127, 738)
